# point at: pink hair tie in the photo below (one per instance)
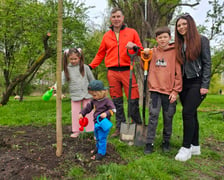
(66, 51)
(80, 50)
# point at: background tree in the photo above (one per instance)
(215, 17)
(22, 48)
(214, 29)
(91, 47)
(145, 18)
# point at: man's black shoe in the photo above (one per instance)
(166, 146)
(148, 148)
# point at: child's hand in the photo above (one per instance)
(146, 51)
(80, 116)
(172, 97)
(103, 115)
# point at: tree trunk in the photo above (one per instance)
(21, 91)
(59, 88)
(22, 77)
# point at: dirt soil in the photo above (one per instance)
(30, 152)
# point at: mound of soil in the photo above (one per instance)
(27, 152)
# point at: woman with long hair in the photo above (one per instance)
(193, 52)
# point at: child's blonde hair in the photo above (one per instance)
(101, 93)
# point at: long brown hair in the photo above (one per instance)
(193, 40)
(68, 53)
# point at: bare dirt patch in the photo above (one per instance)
(27, 152)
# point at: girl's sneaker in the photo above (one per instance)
(74, 135)
(195, 150)
(183, 154)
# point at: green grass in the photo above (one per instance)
(33, 110)
(155, 166)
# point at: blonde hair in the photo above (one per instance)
(101, 93)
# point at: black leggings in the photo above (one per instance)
(190, 98)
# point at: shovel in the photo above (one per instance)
(127, 130)
(141, 130)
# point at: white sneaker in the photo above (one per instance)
(195, 150)
(183, 154)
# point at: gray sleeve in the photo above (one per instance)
(89, 73)
(206, 62)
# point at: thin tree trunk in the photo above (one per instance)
(21, 90)
(58, 77)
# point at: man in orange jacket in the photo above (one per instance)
(113, 48)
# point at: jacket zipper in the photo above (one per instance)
(118, 46)
(199, 67)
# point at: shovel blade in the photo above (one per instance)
(140, 135)
(127, 133)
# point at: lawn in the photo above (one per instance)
(20, 121)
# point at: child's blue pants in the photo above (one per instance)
(101, 140)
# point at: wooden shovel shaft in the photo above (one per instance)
(132, 56)
(145, 58)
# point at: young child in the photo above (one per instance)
(164, 82)
(78, 75)
(102, 107)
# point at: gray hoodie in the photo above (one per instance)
(78, 84)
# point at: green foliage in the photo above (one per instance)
(216, 84)
(216, 15)
(22, 32)
(91, 47)
(218, 62)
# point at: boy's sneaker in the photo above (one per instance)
(166, 146)
(148, 148)
(195, 150)
(183, 154)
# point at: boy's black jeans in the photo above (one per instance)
(159, 101)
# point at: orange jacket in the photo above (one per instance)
(116, 53)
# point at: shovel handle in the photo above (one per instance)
(135, 48)
(146, 58)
